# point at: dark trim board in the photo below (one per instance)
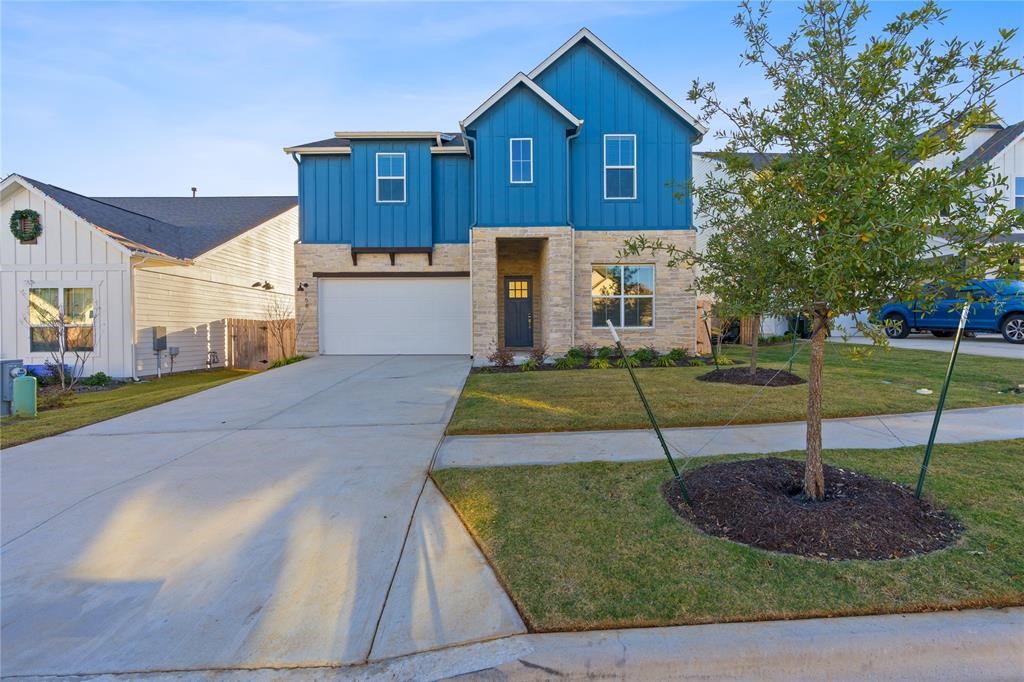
(391, 251)
(385, 273)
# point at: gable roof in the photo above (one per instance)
(524, 80)
(169, 225)
(757, 159)
(586, 34)
(993, 146)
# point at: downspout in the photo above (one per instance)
(572, 234)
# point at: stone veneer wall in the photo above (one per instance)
(554, 286)
(520, 258)
(675, 303)
(310, 258)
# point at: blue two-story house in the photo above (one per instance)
(506, 233)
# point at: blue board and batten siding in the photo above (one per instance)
(521, 114)
(610, 101)
(452, 198)
(338, 198)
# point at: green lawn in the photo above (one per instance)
(585, 400)
(88, 408)
(582, 546)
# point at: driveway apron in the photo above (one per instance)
(256, 524)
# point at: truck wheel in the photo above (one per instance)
(1013, 328)
(896, 326)
(942, 334)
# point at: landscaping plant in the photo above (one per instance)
(848, 217)
(501, 357)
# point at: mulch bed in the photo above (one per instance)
(550, 367)
(759, 503)
(762, 377)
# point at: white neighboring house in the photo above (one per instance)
(132, 264)
(998, 145)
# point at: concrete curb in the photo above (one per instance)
(977, 645)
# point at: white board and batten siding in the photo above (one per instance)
(70, 252)
(194, 302)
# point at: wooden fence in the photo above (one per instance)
(257, 344)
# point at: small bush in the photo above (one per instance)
(575, 352)
(725, 360)
(97, 379)
(599, 363)
(588, 350)
(569, 362)
(645, 354)
(287, 361)
(664, 361)
(628, 361)
(607, 352)
(695, 362)
(530, 365)
(678, 354)
(502, 357)
(538, 353)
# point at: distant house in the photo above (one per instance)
(126, 266)
(505, 233)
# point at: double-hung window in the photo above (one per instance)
(57, 311)
(520, 150)
(623, 294)
(1018, 191)
(390, 177)
(620, 166)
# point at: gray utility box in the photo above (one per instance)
(8, 370)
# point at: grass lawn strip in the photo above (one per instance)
(591, 400)
(88, 408)
(589, 546)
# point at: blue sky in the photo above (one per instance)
(153, 98)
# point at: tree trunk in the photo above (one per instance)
(814, 475)
(755, 334)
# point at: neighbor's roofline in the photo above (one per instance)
(585, 33)
(318, 150)
(520, 79)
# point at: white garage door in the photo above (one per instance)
(395, 315)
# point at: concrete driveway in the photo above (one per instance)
(991, 345)
(263, 523)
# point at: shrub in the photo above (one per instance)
(575, 352)
(664, 361)
(569, 362)
(606, 352)
(588, 350)
(530, 365)
(502, 357)
(645, 354)
(695, 362)
(291, 360)
(628, 361)
(538, 353)
(599, 363)
(678, 354)
(725, 360)
(97, 379)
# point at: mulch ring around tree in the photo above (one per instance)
(761, 377)
(759, 503)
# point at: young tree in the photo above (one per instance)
(282, 324)
(855, 218)
(65, 330)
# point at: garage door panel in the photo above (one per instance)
(408, 315)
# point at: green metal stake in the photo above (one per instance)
(942, 400)
(711, 342)
(650, 415)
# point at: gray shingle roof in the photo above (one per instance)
(182, 227)
(757, 159)
(447, 140)
(993, 146)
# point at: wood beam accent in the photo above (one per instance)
(391, 273)
(392, 251)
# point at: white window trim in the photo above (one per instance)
(633, 167)
(60, 286)
(511, 160)
(622, 296)
(379, 177)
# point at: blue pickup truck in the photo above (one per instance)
(1000, 308)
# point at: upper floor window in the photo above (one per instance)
(620, 166)
(1018, 199)
(521, 160)
(390, 177)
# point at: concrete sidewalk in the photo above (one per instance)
(960, 645)
(886, 431)
(988, 345)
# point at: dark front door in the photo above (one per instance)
(519, 312)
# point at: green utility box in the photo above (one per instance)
(24, 403)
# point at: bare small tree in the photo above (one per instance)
(281, 318)
(67, 335)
